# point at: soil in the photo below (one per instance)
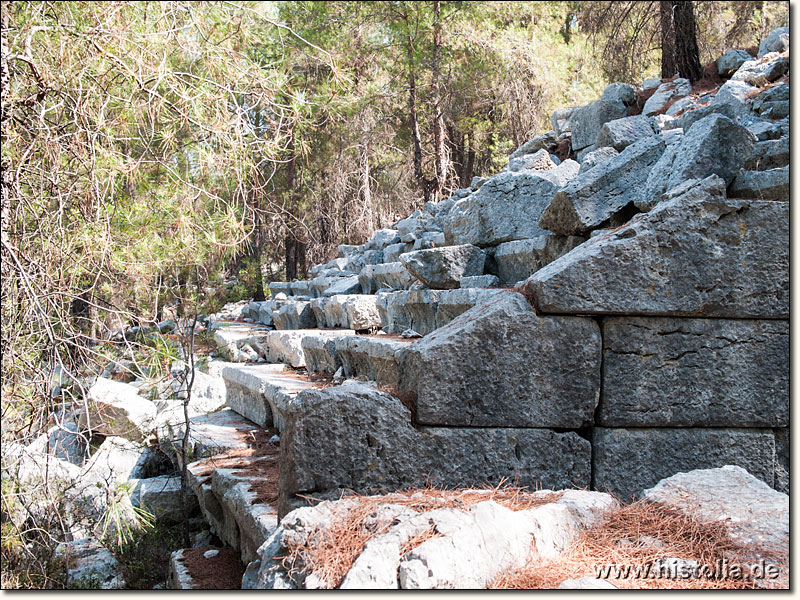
(221, 572)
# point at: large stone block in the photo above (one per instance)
(665, 93)
(662, 372)
(586, 121)
(362, 312)
(371, 358)
(621, 133)
(595, 197)
(393, 276)
(372, 447)
(320, 355)
(782, 451)
(518, 260)
(772, 184)
(506, 207)
(477, 371)
(343, 285)
(443, 268)
(776, 41)
(754, 515)
(628, 461)
(294, 314)
(116, 409)
(695, 254)
(714, 145)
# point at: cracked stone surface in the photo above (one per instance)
(596, 196)
(695, 254)
(694, 372)
(443, 268)
(628, 461)
(478, 370)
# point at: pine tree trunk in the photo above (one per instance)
(667, 39)
(687, 54)
(425, 184)
(440, 150)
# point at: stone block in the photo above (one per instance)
(477, 371)
(443, 268)
(621, 133)
(370, 358)
(628, 461)
(663, 372)
(695, 254)
(772, 184)
(597, 196)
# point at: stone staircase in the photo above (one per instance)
(632, 346)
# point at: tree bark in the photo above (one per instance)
(667, 39)
(440, 149)
(687, 54)
(424, 183)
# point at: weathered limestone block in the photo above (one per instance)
(735, 94)
(536, 161)
(662, 372)
(161, 496)
(769, 154)
(518, 260)
(586, 121)
(343, 285)
(776, 41)
(382, 238)
(595, 197)
(362, 312)
(261, 393)
(116, 461)
(666, 92)
(628, 461)
(412, 309)
(115, 408)
(294, 314)
(301, 288)
(772, 184)
(391, 275)
(320, 355)
(335, 311)
(443, 268)
(596, 157)
(506, 207)
(392, 253)
(347, 250)
(546, 141)
(429, 239)
(90, 565)
(750, 511)
(729, 63)
(371, 358)
(560, 120)
(621, 133)
(456, 302)
(372, 446)
(782, 450)
(279, 287)
(285, 346)
(761, 71)
(715, 145)
(216, 433)
(480, 281)
(695, 254)
(478, 371)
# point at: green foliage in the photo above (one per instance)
(122, 519)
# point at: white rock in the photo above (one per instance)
(116, 409)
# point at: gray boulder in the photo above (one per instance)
(751, 512)
(443, 268)
(666, 93)
(762, 71)
(116, 409)
(89, 565)
(776, 41)
(161, 497)
(518, 260)
(546, 141)
(372, 447)
(586, 121)
(596, 157)
(343, 285)
(621, 133)
(694, 373)
(294, 314)
(382, 238)
(735, 94)
(628, 461)
(392, 252)
(695, 254)
(477, 371)
(772, 184)
(506, 207)
(715, 145)
(560, 120)
(538, 161)
(393, 276)
(600, 194)
(729, 63)
(480, 281)
(769, 154)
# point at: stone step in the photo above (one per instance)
(229, 337)
(427, 310)
(221, 432)
(284, 346)
(351, 311)
(373, 358)
(237, 492)
(263, 392)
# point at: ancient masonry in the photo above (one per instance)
(601, 324)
